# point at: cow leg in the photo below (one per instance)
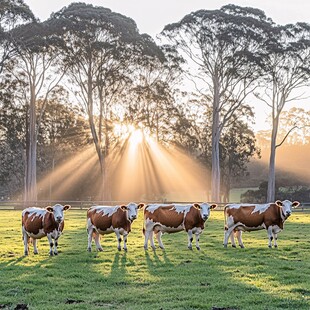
(158, 237)
(97, 241)
(26, 240)
(125, 235)
(90, 230)
(190, 239)
(239, 237)
(232, 239)
(146, 239)
(55, 247)
(275, 238)
(152, 240)
(270, 236)
(119, 239)
(35, 249)
(227, 234)
(197, 234)
(50, 241)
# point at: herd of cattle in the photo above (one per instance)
(158, 219)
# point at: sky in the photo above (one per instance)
(152, 16)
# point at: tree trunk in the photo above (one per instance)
(272, 160)
(31, 171)
(215, 173)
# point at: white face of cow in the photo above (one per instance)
(287, 206)
(58, 212)
(132, 210)
(204, 209)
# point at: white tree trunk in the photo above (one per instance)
(272, 160)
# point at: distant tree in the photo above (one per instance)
(224, 46)
(286, 65)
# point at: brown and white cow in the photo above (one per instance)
(103, 220)
(38, 223)
(171, 218)
(250, 217)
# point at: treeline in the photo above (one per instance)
(68, 81)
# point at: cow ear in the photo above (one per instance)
(141, 205)
(295, 204)
(124, 208)
(49, 209)
(213, 206)
(67, 207)
(279, 203)
(197, 206)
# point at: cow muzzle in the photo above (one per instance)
(205, 217)
(287, 214)
(58, 219)
(132, 218)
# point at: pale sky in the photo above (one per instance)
(152, 16)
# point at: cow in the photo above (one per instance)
(171, 218)
(40, 222)
(250, 217)
(103, 220)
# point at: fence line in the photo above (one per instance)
(84, 204)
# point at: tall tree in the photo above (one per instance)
(101, 49)
(223, 45)
(286, 65)
(35, 67)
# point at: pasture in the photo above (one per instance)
(214, 278)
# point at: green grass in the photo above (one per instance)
(252, 278)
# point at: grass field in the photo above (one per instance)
(214, 278)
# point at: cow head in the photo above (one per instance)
(132, 210)
(287, 207)
(58, 211)
(204, 209)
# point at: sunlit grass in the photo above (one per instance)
(252, 278)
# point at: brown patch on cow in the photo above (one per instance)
(32, 223)
(244, 215)
(193, 219)
(102, 221)
(166, 215)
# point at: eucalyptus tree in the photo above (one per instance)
(35, 68)
(222, 47)
(101, 49)
(285, 65)
(12, 14)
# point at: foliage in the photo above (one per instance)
(176, 278)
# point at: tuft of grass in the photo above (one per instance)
(214, 278)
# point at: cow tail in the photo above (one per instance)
(225, 218)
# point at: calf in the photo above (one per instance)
(38, 223)
(173, 218)
(103, 220)
(250, 217)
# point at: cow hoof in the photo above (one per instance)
(89, 249)
(233, 245)
(26, 253)
(51, 254)
(154, 248)
(162, 247)
(225, 246)
(119, 248)
(125, 249)
(190, 247)
(275, 246)
(269, 246)
(55, 253)
(241, 246)
(198, 248)
(100, 249)
(36, 253)
(145, 248)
